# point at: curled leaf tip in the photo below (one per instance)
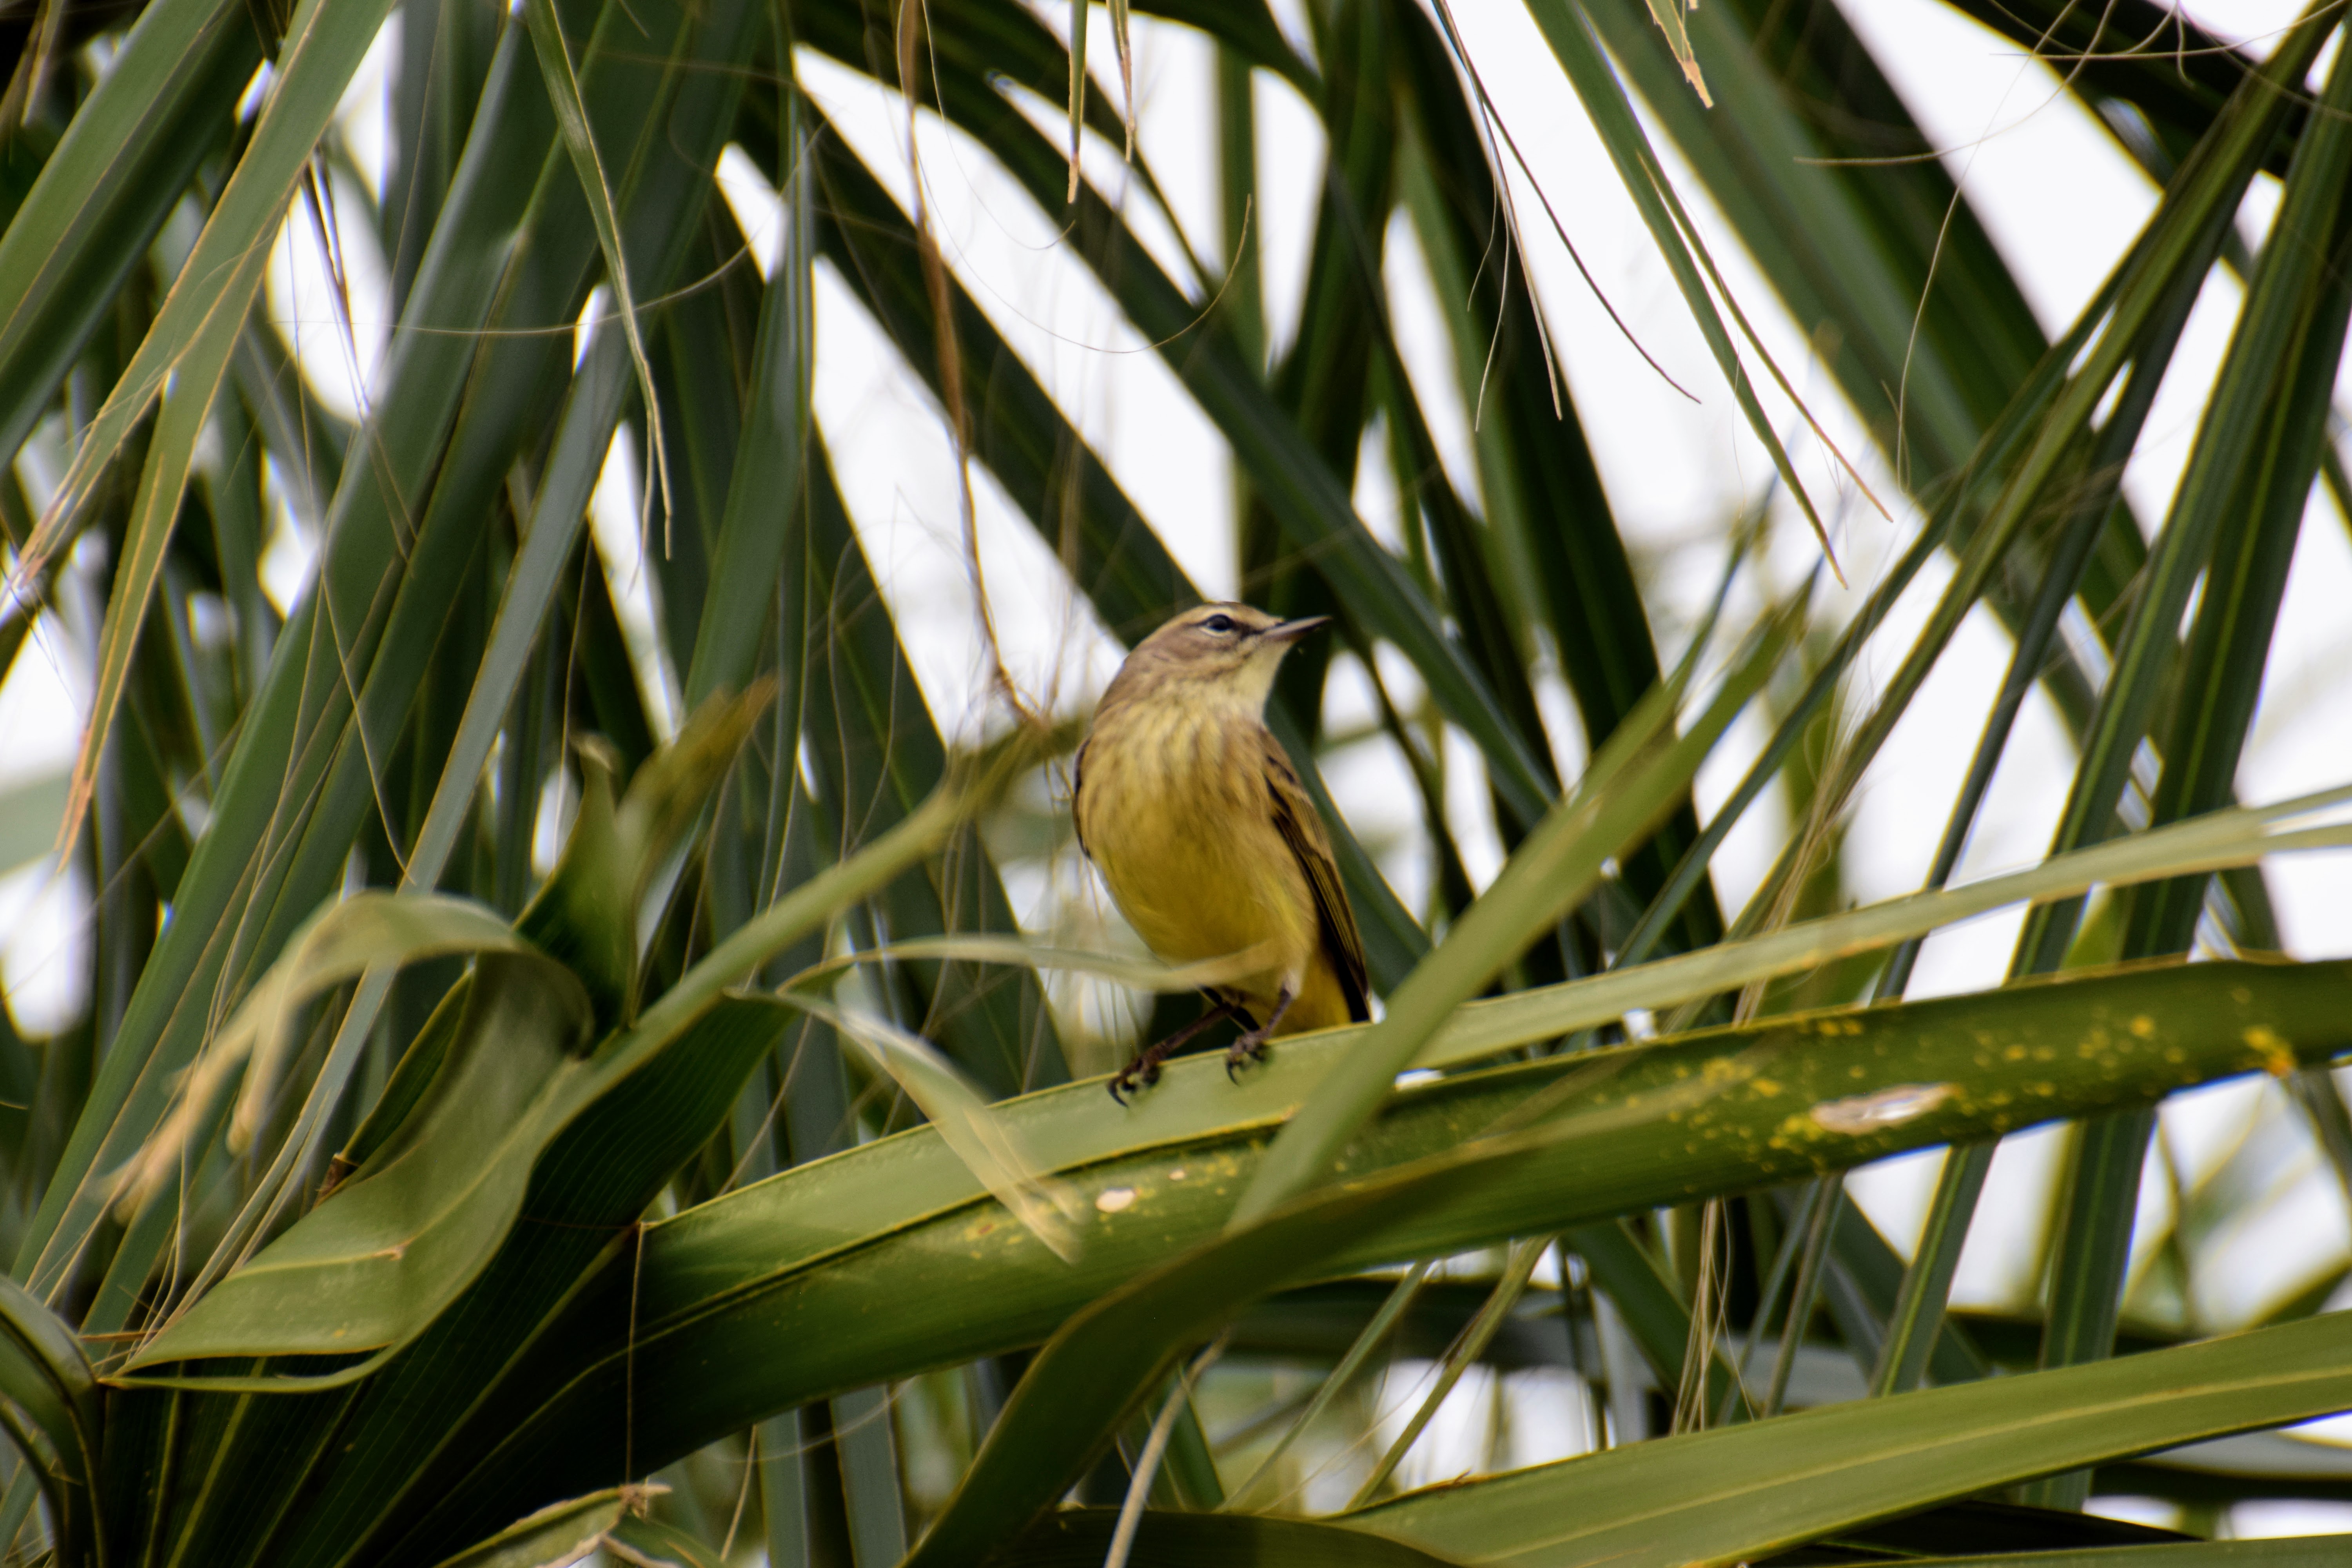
(988, 1147)
(1668, 16)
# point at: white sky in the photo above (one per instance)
(2061, 201)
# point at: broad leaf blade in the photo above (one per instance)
(1741, 1492)
(839, 1252)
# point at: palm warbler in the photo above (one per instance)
(1212, 849)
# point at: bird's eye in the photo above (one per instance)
(1218, 623)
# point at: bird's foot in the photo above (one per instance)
(1144, 1070)
(1141, 1073)
(1251, 1046)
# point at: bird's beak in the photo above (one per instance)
(1291, 631)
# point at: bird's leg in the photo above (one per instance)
(1145, 1068)
(1252, 1046)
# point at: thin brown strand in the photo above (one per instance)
(629, 1362)
(1207, 309)
(319, 195)
(1078, 18)
(1699, 248)
(1942, 232)
(318, 191)
(1494, 123)
(913, 14)
(750, 1471)
(1514, 238)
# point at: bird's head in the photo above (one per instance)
(1225, 652)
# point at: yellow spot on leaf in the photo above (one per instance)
(2277, 1055)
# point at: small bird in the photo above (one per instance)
(1185, 800)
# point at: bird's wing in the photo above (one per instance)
(1077, 790)
(1301, 827)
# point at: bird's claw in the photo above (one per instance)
(1141, 1073)
(1144, 1070)
(1250, 1048)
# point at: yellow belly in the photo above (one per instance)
(1190, 851)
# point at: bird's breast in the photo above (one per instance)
(1175, 812)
